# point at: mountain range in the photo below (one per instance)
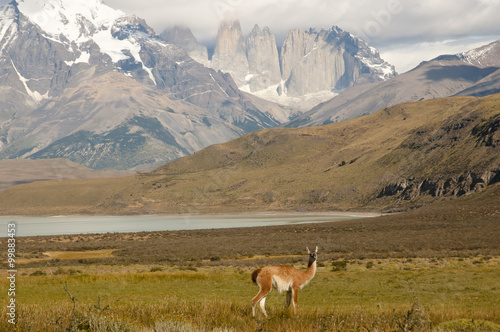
(82, 81)
(398, 158)
(310, 65)
(472, 73)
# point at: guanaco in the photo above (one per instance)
(282, 278)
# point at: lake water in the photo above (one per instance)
(31, 226)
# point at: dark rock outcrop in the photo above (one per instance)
(463, 184)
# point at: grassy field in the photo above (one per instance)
(432, 269)
(363, 295)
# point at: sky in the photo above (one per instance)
(405, 32)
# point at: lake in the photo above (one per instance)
(32, 226)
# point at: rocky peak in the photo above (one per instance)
(312, 66)
(263, 60)
(331, 59)
(130, 25)
(70, 20)
(230, 51)
(487, 55)
(298, 43)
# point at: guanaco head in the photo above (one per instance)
(313, 256)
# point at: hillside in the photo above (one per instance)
(17, 171)
(429, 80)
(400, 157)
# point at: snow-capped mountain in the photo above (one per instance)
(81, 80)
(311, 66)
(472, 73)
(484, 56)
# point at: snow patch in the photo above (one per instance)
(35, 95)
(245, 88)
(65, 21)
(219, 86)
(83, 58)
(7, 31)
(297, 104)
(113, 47)
(65, 18)
(312, 50)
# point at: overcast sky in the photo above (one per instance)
(406, 32)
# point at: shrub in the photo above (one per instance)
(38, 273)
(467, 325)
(339, 265)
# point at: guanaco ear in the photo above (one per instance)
(308, 252)
(316, 249)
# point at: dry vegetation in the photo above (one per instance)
(17, 171)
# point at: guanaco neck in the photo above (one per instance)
(311, 269)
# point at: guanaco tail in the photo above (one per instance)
(282, 278)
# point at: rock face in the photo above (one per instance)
(262, 55)
(481, 133)
(463, 184)
(310, 62)
(83, 81)
(329, 60)
(296, 46)
(230, 52)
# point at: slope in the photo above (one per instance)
(400, 157)
(432, 79)
(17, 171)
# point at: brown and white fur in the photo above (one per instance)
(282, 278)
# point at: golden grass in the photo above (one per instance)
(52, 255)
(391, 293)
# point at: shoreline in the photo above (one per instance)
(269, 213)
(73, 225)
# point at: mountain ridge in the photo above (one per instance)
(443, 76)
(401, 157)
(310, 62)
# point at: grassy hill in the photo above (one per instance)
(17, 171)
(400, 157)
